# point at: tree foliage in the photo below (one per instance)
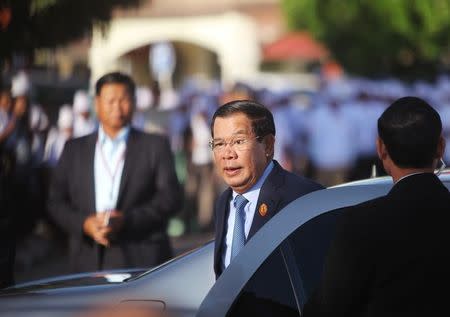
(378, 37)
(51, 23)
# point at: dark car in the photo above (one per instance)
(275, 273)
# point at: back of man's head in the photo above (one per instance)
(410, 129)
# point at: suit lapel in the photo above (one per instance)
(130, 155)
(88, 170)
(222, 216)
(268, 200)
(222, 213)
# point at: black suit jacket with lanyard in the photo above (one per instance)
(149, 193)
(279, 189)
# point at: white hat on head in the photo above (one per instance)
(81, 101)
(65, 117)
(144, 98)
(20, 85)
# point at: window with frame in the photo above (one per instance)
(310, 244)
(268, 292)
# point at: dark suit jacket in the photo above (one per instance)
(7, 225)
(390, 255)
(279, 189)
(149, 194)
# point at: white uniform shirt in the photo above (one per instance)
(108, 167)
(367, 118)
(331, 134)
(54, 145)
(252, 196)
(201, 135)
(444, 112)
(284, 138)
(82, 126)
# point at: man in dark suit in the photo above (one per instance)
(390, 255)
(243, 135)
(113, 191)
(7, 223)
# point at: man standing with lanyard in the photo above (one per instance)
(113, 191)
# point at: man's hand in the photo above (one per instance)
(116, 220)
(94, 227)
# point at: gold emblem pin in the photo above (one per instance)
(263, 210)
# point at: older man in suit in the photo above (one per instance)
(243, 136)
(114, 190)
(390, 255)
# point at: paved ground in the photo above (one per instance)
(36, 258)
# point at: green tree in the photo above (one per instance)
(407, 38)
(50, 23)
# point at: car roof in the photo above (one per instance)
(270, 236)
(186, 281)
(444, 176)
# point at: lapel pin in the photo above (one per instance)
(263, 209)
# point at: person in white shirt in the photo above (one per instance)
(84, 123)
(114, 190)
(58, 136)
(200, 185)
(332, 149)
(144, 101)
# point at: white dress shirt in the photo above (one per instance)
(331, 137)
(252, 196)
(401, 178)
(108, 166)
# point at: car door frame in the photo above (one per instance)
(228, 287)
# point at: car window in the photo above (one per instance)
(310, 244)
(268, 292)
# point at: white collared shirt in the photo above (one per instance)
(252, 196)
(408, 176)
(108, 167)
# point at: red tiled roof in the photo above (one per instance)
(295, 45)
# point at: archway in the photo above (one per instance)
(191, 60)
(231, 36)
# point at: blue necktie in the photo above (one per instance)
(239, 225)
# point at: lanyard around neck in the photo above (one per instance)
(112, 173)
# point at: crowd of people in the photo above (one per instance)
(327, 135)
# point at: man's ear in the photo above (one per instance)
(381, 149)
(269, 142)
(440, 148)
(96, 101)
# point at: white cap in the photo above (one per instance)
(38, 118)
(20, 85)
(81, 102)
(65, 117)
(144, 98)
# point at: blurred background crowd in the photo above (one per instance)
(325, 71)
